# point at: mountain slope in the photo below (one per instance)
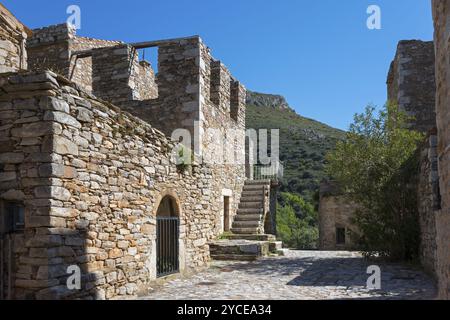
(303, 142)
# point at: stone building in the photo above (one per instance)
(336, 228)
(441, 15)
(90, 171)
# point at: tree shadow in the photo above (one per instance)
(347, 273)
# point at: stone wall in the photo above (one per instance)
(81, 68)
(24, 164)
(411, 84)
(13, 35)
(54, 48)
(429, 201)
(441, 15)
(120, 78)
(49, 49)
(91, 178)
(178, 83)
(222, 137)
(145, 81)
(335, 211)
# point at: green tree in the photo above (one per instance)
(297, 222)
(375, 166)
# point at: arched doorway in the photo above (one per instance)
(167, 236)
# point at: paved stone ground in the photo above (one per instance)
(299, 275)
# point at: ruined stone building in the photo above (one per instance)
(88, 172)
(411, 84)
(337, 230)
(411, 87)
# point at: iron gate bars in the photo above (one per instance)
(5, 266)
(167, 234)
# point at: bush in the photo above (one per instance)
(376, 167)
(297, 222)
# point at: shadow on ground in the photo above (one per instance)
(346, 273)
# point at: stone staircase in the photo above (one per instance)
(248, 241)
(249, 219)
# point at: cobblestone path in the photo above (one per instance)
(299, 275)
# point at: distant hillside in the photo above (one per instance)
(303, 142)
(267, 100)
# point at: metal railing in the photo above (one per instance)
(273, 171)
(167, 234)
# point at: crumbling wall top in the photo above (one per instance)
(7, 17)
(411, 83)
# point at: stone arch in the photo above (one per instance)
(167, 209)
(165, 199)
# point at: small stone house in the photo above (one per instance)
(88, 174)
(336, 228)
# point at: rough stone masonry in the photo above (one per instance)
(411, 87)
(13, 37)
(441, 15)
(411, 84)
(336, 228)
(90, 177)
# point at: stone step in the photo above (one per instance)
(246, 224)
(253, 188)
(248, 217)
(250, 211)
(251, 205)
(257, 182)
(275, 246)
(255, 193)
(252, 198)
(238, 249)
(245, 230)
(234, 257)
(255, 237)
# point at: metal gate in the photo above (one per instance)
(6, 260)
(167, 234)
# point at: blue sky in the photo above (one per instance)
(319, 54)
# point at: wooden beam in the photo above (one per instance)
(82, 54)
(157, 43)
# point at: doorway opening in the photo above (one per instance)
(226, 214)
(167, 237)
